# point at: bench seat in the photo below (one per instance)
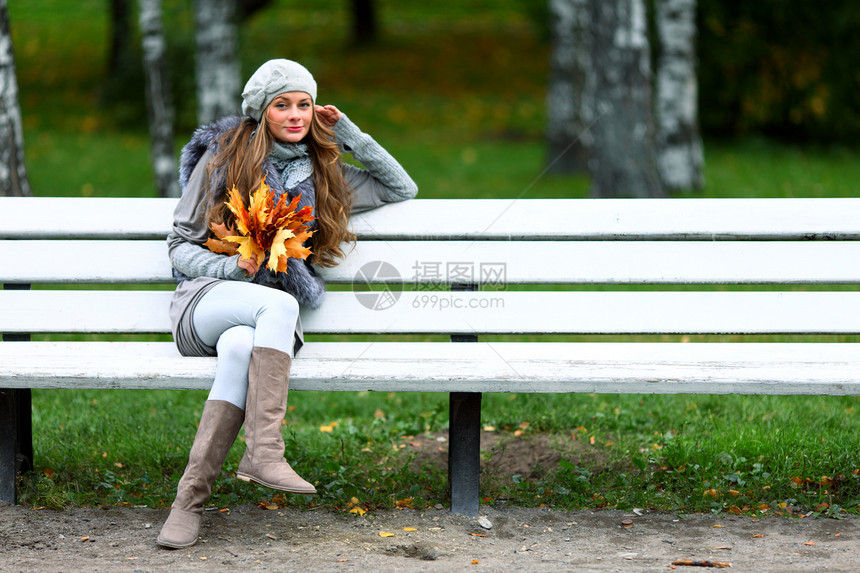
(521, 367)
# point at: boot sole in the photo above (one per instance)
(175, 545)
(251, 479)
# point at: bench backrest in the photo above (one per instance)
(541, 266)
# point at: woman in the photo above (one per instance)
(224, 305)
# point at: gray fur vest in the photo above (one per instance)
(300, 280)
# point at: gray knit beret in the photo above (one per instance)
(271, 79)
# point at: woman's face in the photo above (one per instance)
(289, 116)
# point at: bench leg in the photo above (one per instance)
(464, 452)
(16, 440)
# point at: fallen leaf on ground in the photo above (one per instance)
(478, 534)
(809, 543)
(758, 535)
(385, 534)
(697, 563)
(409, 529)
(475, 562)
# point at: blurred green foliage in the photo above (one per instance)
(785, 69)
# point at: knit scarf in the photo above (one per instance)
(293, 162)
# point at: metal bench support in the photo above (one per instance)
(464, 436)
(16, 427)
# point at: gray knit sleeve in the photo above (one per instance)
(184, 243)
(197, 261)
(383, 180)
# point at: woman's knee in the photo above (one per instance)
(236, 344)
(281, 304)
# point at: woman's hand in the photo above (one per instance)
(250, 266)
(328, 114)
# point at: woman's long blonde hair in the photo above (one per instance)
(242, 152)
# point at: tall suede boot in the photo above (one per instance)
(263, 462)
(219, 426)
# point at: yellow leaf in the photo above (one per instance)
(385, 534)
(326, 428)
(401, 503)
(475, 562)
(409, 529)
(278, 247)
(358, 510)
(248, 248)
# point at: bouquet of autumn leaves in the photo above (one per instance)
(264, 228)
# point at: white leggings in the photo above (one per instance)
(234, 317)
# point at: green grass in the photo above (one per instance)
(676, 453)
(458, 99)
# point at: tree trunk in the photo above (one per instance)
(568, 109)
(13, 171)
(248, 8)
(680, 156)
(624, 162)
(363, 22)
(217, 65)
(158, 98)
(120, 36)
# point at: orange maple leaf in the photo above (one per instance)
(264, 228)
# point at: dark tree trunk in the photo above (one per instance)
(120, 36)
(624, 160)
(217, 66)
(680, 155)
(13, 171)
(248, 8)
(364, 29)
(158, 99)
(568, 108)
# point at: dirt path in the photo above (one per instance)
(521, 539)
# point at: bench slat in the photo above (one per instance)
(643, 368)
(477, 219)
(512, 312)
(524, 262)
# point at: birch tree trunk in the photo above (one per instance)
(13, 172)
(624, 160)
(680, 156)
(217, 66)
(568, 109)
(158, 99)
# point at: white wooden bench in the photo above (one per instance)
(432, 246)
